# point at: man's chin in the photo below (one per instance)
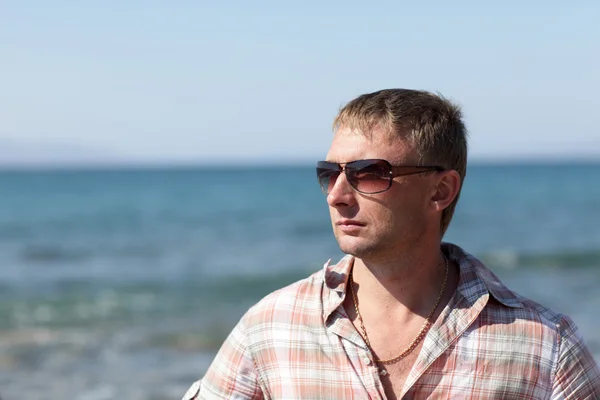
(354, 246)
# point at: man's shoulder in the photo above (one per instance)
(535, 314)
(528, 311)
(521, 314)
(507, 307)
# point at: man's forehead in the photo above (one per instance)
(350, 144)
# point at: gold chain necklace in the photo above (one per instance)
(422, 332)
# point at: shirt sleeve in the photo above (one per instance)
(577, 375)
(231, 375)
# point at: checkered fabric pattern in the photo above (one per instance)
(488, 343)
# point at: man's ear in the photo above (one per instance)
(446, 189)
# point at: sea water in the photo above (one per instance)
(124, 283)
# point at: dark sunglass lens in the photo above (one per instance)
(370, 176)
(327, 180)
(327, 176)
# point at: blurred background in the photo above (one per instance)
(157, 167)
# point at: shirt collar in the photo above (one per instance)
(335, 282)
(475, 281)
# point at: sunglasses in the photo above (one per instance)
(366, 176)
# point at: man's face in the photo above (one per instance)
(376, 226)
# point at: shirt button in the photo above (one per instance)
(367, 360)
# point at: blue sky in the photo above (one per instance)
(199, 81)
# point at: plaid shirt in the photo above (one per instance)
(298, 343)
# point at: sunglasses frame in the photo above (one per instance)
(395, 171)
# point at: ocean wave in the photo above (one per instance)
(54, 254)
(83, 303)
(562, 259)
(61, 253)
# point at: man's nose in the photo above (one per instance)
(341, 193)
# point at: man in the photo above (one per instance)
(403, 314)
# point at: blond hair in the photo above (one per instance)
(430, 123)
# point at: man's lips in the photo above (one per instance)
(349, 226)
(349, 222)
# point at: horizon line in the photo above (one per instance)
(236, 164)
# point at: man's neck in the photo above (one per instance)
(405, 286)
